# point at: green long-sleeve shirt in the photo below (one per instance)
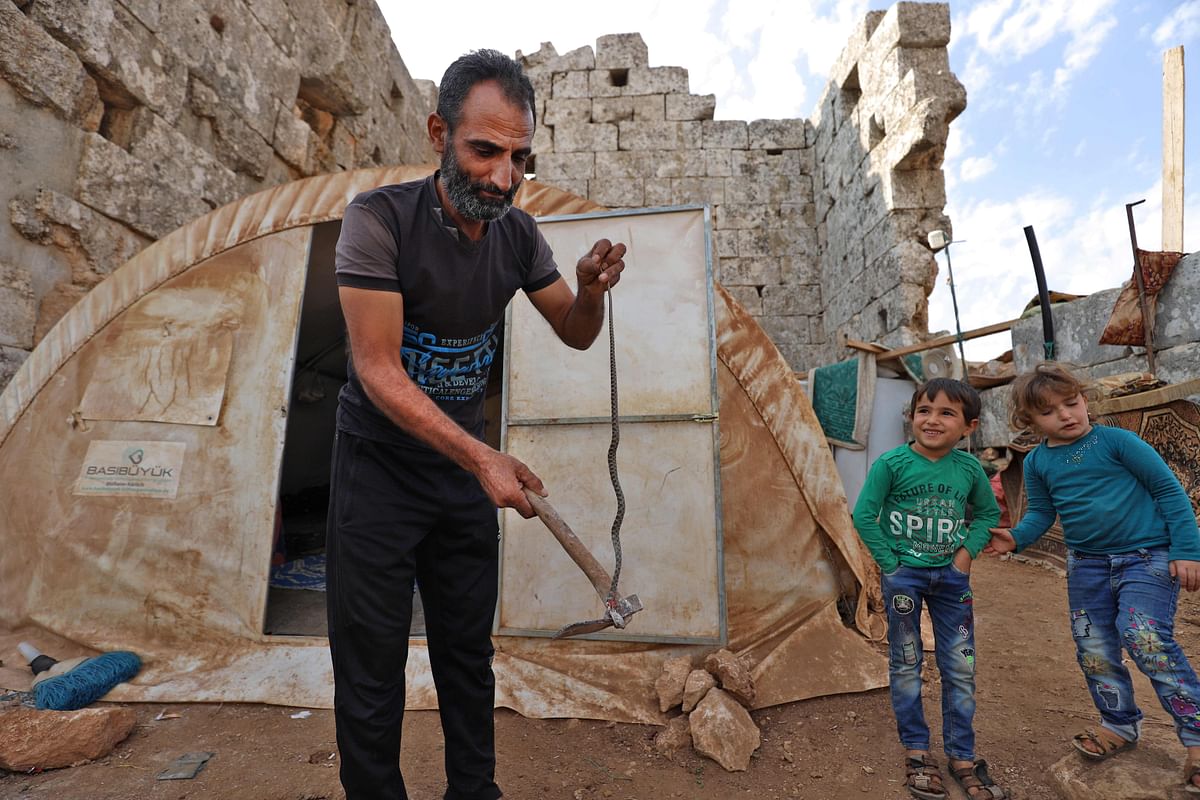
(912, 511)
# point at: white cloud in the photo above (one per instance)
(1180, 26)
(975, 168)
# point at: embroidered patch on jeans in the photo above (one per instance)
(1093, 664)
(1081, 624)
(910, 652)
(969, 655)
(902, 603)
(1109, 694)
(1186, 707)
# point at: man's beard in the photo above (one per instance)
(465, 195)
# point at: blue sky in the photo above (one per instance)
(1063, 124)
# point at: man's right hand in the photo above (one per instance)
(505, 479)
(1002, 542)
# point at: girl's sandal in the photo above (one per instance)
(1190, 770)
(976, 782)
(923, 779)
(1106, 743)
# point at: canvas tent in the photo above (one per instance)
(198, 365)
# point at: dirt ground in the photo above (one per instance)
(1030, 700)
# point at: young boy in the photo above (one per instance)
(911, 515)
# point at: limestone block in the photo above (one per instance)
(130, 190)
(649, 107)
(913, 25)
(555, 166)
(290, 139)
(621, 50)
(54, 304)
(759, 163)
(571, 84)
(816, 330)
(695, 687)
(695, 165)
(658, 136)
(915, 189)
(577, 187)
(607, 83)
(543, 140)
(277, 21)
(241, 62)
(723, 731)
(749, 271)
(642, 163)
(179, 162)
(569, 109)
(746, 215)
(698, 190)
(17, 307)
(94, 245)
(573, 137)
(340, 53)
(618, 192)
(1175, 364)
(790, 329)
(52, 739)
(612, 109)
(802, 216)
(755, 242)
(1175, 320)
(768, 189)
(690, 106)
(235, 143)
(45, 72)
(659, 192)
(118, 47)
(146, 11)
(733, 673)
(725, 133)
(657, 80)
(547, 59)
(11, 359)
(747, 297)
(791, 300)
(1077, 327)
(993, 428)
(674, 737)
(725, 243)
(777, 133)
(718, 163)
(670, 682)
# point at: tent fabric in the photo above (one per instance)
(184, 582)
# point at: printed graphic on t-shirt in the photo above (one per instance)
(932, 525)
(448, 369)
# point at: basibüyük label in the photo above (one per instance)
(131, 469)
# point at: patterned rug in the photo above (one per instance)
(303, 573)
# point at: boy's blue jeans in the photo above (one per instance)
(1129, 599)
(947, 592)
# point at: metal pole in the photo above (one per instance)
(954, 302)
(1043, 294)
(1147, 317)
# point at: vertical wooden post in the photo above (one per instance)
(1172, 150)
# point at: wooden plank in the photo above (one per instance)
(949, 338)
(1154, 397)
(1172, 150)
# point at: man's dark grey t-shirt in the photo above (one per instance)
(397, 239)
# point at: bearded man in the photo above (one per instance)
(424, 272)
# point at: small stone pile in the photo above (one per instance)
(714, 702)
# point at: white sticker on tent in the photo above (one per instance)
(131, 469)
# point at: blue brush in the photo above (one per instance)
(68, 685)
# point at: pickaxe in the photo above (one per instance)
(617, 609)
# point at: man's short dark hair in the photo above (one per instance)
(478, 66)
(955, 391)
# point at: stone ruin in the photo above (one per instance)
(122, 119)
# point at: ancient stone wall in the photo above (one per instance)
(819, 226)
(120, 120)
(879, 138)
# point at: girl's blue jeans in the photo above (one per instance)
(1129, 599)
(947, 593)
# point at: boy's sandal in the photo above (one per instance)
(976, 782)
(1190, 770)
(1106, 742)
(923, 779)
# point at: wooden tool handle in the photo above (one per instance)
(583, 557)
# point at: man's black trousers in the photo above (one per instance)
(395, 515)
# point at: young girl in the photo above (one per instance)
(1132, 543)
